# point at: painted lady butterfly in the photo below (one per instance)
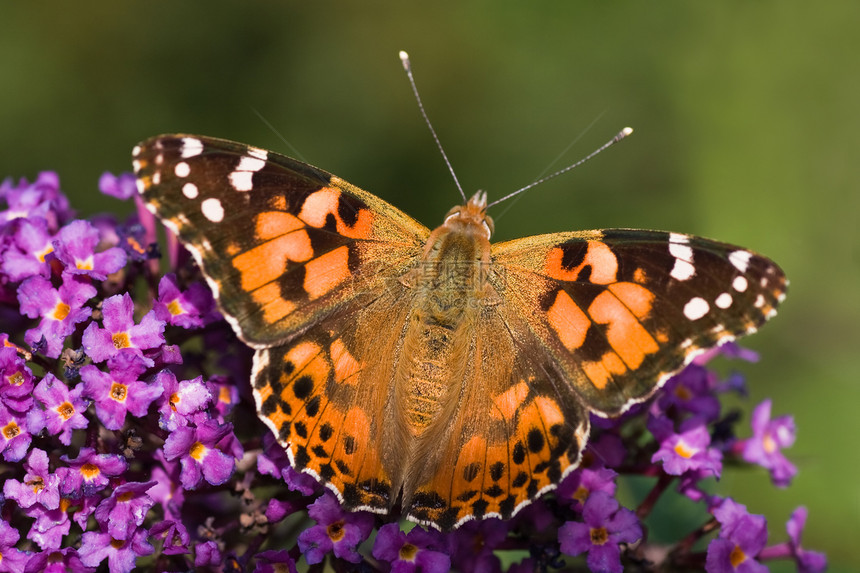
(435, 368)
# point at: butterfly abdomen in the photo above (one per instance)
(448, 289)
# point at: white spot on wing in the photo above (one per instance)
(141, 186)
(191, 147)
(136, 151)
(739, 284)
(696, 308)
(190, 190)
(212, 209)
(182, 169)
(724, 300)
(242, 180)
(258, 153)
(682, 270)
(249, 163)
(679, 247)
(740, 260)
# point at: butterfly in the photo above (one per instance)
(435, 368)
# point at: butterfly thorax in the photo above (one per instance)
(449, 289)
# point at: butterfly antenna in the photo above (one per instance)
(621, 135)
(404, 57)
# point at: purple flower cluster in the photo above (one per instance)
(124, 440)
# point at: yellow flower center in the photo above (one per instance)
(11, 430)
(61, 311)
(335, 531)
(121, 340)
(118, 391)
(90, 471)
(408, 552)
(737, 556)
(198, 451)
(599, 535)
(684, 450)
(175, 308)
(66, 410)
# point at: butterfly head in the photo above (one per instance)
(471, 217)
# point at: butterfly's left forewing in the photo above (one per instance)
(622, 310)
(281, 243)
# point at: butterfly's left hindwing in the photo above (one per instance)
(281, 242)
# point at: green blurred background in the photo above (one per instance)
(746, 118)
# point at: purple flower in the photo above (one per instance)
(60, 309)
(26, 255)
(190, 309)
(687, 450)
(120, 332)
(580, 484)
(768, 439)
(276, 561)
(96, 546)
(66, 560)
(742, 537)
(336, 531)
(126, 508)
(207, 554)
(274, 462)
(226, 392)
(690, 391)
(807, 561)
(416, 551)
(122, 186)
(64, 409)
(14, 435)
(176, 538)
(119, 391)
(182, 402)
(13, 559)
(89, 472)
(473, 546)
(50, 526)
(167, 491)
(197, 453)
(75, 246)
(40, 199)
(605, 526)
(40, 485)
(16, 380)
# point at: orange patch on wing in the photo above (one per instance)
(268, 261)
(327, 271)
(549, 410)
(568, 321)
(308, 361)
(271, 224)
(640, 276)
(272, 303)
(601, 372)
(601, 259)
(509, 401)
(345, 365)
(625, 333)
(326, 201)
(635, 297)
